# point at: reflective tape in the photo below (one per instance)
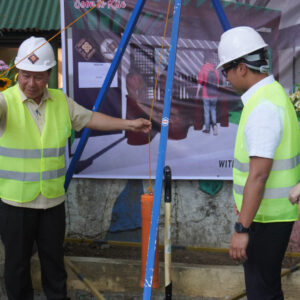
(32, 176)
(31, 153)
(20, 153)
(53, 174)
(278, 165)
(269, 193)
(54, 152)
(20, 176)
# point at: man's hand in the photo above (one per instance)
(140, 125)
(294, 195)
(238, 245)
(103, 122)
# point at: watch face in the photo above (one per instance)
(239, 228)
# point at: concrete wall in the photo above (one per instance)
(197, 218)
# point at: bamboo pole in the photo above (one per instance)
(83, 279)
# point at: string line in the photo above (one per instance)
(150, 190)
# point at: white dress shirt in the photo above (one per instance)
(264, 127)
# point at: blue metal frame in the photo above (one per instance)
(164, 125)
(221, 14)
(162, 152)
(107, 82)
(163, 140)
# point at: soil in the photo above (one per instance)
(187, 256)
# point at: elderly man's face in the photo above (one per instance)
(33, 83)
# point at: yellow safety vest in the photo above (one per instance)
(32, 162)
(285, 172)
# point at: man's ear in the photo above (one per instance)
(242, 68)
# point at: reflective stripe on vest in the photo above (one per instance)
(33, 162)
(285, 171)
(282, 164)
(36, 153)
(269, 193)
(30, 176)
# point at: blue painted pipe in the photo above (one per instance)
(221, 15)
(107, 82)
(162, 153)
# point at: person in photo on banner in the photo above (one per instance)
(35, 123)
(265, 163)
(207, 83)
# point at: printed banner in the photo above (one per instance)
(205, 109)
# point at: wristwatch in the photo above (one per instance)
(239, 228)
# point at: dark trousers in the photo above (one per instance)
(20, 228)
(266, 248)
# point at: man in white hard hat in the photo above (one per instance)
(35, 123)
(265, 163)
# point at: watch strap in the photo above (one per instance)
(239, 228)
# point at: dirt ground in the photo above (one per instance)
(187, 256)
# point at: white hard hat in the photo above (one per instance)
(238, 42)
(40, 60)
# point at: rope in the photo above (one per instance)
(150, 190)
(54, 36)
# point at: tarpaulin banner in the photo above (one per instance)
(201, 131)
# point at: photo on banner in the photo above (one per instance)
(201, 141)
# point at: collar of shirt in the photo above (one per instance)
(46, 95)
(247, 95)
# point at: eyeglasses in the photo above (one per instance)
(225, 70)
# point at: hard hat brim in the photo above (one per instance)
(224, 62)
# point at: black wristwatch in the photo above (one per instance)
(239, 228)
